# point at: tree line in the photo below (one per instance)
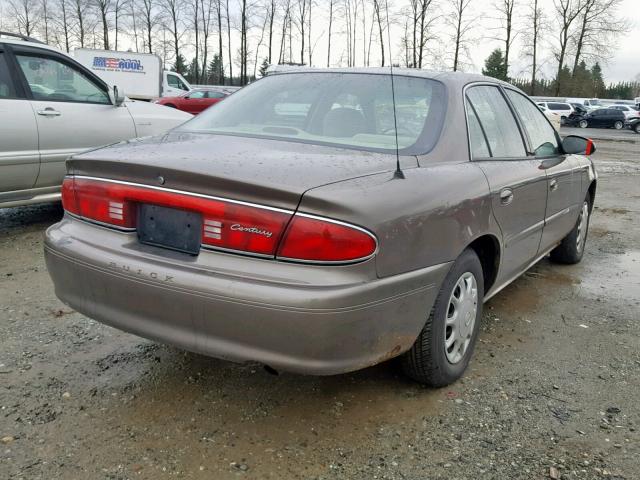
(233, 41)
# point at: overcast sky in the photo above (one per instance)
(623, 66)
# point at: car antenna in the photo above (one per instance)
(398, 173)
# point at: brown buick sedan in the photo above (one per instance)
(321, 221)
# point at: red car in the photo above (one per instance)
(194, 101)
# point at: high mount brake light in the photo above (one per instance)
(227, 225)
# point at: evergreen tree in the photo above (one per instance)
(180, 65)
(582, 82)
(214, 72)
(598, 81)
(263, 68)
(495, 66)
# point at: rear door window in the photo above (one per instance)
(497, 121)
(7, 89)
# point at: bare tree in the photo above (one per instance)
(117, 12)
(271, 14)
(26, 13)
(45, 19)
(598, 28)
(331, 4)
(63, 24)
(173, 10)
(220, 47)
(228, 15)
(422, 18)
(461, 25)
(376, 7)
(81, 7)
(149, 19)
(535, 21)
(207, 7)
(103, 9)
(286, 23)
(567, 11)
(300, 23)
(196, 28)
(505, 9)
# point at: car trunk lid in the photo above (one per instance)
(268, 172)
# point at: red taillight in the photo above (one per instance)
(321, 240)
(227, 224)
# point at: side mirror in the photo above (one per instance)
(117, 96)
(575, 145)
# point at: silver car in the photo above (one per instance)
(325, 221)
(52, 107)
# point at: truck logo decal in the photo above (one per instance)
(118, 64)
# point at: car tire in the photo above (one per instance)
(430, 361)
(583, 124)
(636, 127)
(618, 125)
(571, 249)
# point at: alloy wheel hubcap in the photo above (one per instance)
(461, 317)
(582, 226)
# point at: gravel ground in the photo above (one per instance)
(552, 391)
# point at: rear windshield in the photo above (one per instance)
(559, 106)
(339, 109)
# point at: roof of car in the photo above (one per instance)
(444, 77)
(30, 43)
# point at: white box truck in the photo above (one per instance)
(139, 75)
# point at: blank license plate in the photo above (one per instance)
(170, 228)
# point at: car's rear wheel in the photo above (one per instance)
(636, 127)
(583, 124)
(571, 249)
(618, 125)
(442, 351)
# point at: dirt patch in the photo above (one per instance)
(552, 387)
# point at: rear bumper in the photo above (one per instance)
(308, 319)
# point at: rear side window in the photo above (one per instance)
(541, 134)
(6, 84)
(497, 121)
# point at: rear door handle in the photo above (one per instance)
(49, 112)
(553, 184)
(506, 196)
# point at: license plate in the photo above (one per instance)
(169, 228)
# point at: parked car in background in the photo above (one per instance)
(562, 110)
(322, 221)
(629, 111)
(194, 101)
(601, 118)
(553, 117)
(579, 109)
(588, 103)
(52, 107)
(140, 75)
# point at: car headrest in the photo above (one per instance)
(343, 122)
